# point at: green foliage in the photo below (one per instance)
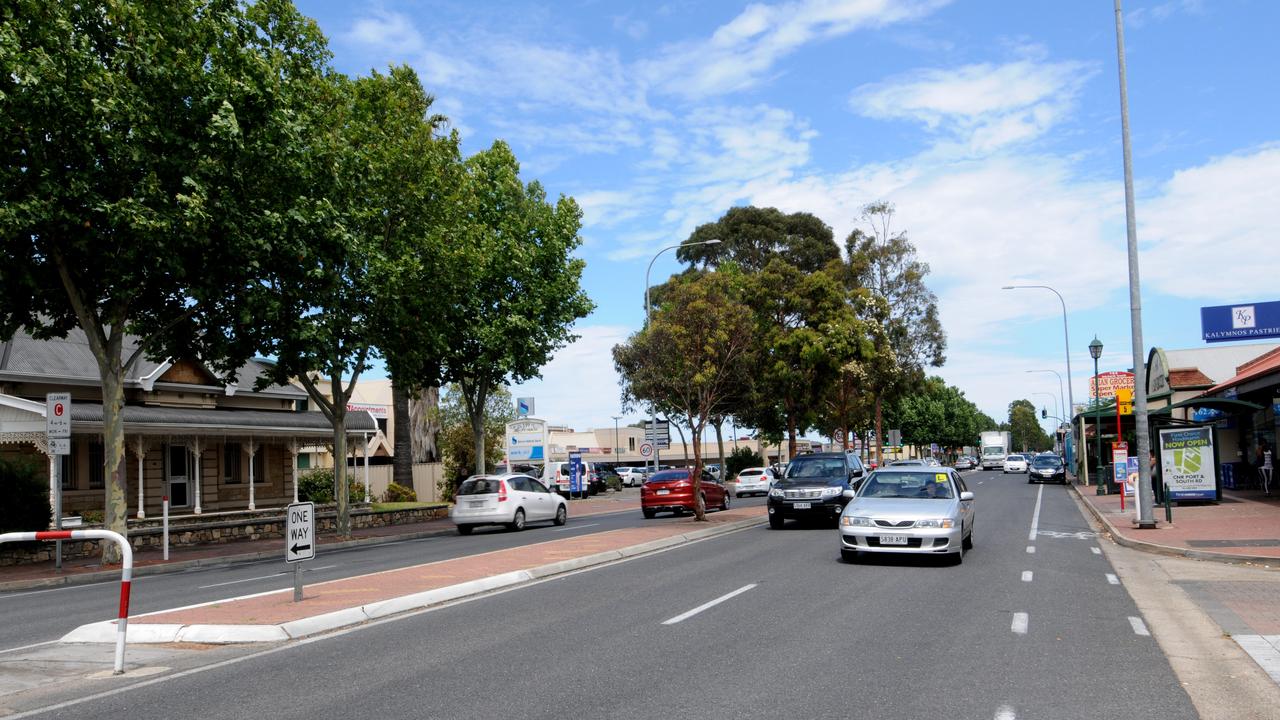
(1024, 427)
(399, 494)
(92, 517)
(753, 237)
(937, 412)
(26, 498)
(457, 442)
(317, 485)
(741, 458)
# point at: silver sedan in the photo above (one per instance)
(909, 509)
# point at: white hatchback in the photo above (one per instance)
(753, 480)
(511, 500)
(1015, 463)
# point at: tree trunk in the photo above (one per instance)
(425, 425)
(695, 475)
(879, 433)
(724, 469)
(115, 502)
(791, 435)
(402, 460)
(475, 398)
(340, 494)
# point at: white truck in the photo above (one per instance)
(994, 447)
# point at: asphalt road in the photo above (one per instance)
(795, 633)
(35, 616)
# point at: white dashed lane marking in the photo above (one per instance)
(1027, 575)
(1139, 627)
(1006, 713)
(1096, 551)
(1113, 579)
(1031, 548)
(1019, 624)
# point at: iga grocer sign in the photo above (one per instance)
(1109, 382)
(1245, 321)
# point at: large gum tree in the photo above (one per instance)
(148, 149)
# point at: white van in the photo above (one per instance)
(556, 476)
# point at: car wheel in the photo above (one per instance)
(967, 542)
(738, 495)
(517, 522)
(465, 529)
(562, 515)
(776, 522)
(849, 556)
(724, 504)
(649, 514)
(959, 557)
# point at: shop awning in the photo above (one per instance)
(1213, 403)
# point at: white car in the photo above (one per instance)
(908, 510)
(631, 476)
(511, 500)
(1015, 463)
(751, 481)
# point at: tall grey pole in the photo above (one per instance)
(1145, 500)
(653, 411)
(1066, 339)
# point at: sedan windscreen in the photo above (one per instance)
(801, 468)
(1047, 462)
(927, 485)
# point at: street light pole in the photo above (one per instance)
(616, 418)
(1066, 336)
(1146, 518)
(1095, 351)
(1061, 400)
(653, 410)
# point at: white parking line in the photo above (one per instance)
(1027, 575)
(1096, 551)
(1139, 627)
(1031, 548)
(1035, 517)
(1020, 622)
(686, 615)
(575, 527)
(1006, 713)
(1113, 579)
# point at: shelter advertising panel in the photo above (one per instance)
(1186, 463)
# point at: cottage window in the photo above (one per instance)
(231, 463)
(260, 465)
(97, 469)
(67, 468)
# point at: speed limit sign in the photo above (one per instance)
(646, 450)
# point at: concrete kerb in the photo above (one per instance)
(141, 633)
(1168, 550)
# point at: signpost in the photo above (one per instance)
(57, 430)
(299, 540)
(1120, 467)
(526, 441)
(646, 450)
(524, 407)
(575, 473)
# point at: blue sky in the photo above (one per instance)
(993, 126)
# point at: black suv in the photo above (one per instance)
(1046, 467)
(814, 487)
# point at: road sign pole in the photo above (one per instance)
(57, 511)
(297, 582)
(165, 527)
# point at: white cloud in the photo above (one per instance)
(579, 387)
(389, 32)
(984, 106)
(631, 27)
(1225, 214)
(1142, 17)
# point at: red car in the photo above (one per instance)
(672, 491)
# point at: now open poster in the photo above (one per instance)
(1186, 463)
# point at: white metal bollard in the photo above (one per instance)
(164, 533)
(126, 573)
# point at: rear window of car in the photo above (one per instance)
(479, 486)
(816, 468)
(750, 473)
(1015, 458)
(669, 475)
(908, 485)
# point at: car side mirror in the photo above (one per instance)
(966, 495)
(849, 494)
(855, 473)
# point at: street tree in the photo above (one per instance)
(691, 355)
(366, 289)
(902, 309)
(150, 155)
(456, 437)
(1024, 427)
(751, 237)
(521, 290)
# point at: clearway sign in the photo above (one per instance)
(57, 415)
(300, 532)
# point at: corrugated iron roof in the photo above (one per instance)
(181, 419)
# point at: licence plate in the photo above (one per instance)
(476, 504)
(664, 492)
(893, 539)
(802, 506)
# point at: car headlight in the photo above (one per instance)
(831, 491)
(855, 521)
(940, 523)
(775, 493)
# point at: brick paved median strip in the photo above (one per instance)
(273, 616)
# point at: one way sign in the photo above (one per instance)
(300, 532)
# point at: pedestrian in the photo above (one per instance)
(1156, 488)
(1264, 467)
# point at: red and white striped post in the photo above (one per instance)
(126, 573)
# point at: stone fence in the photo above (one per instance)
(216, 528)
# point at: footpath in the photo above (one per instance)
(1242, 530)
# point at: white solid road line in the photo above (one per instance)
(1006, 713)
(575, 527)
(28, 647)
(1139, 627)
(1096, 551)
(686, 615)
(265, 577)
(1035, 517)
(1113, 579)
(1027, 575)
(1031, 548)
(1019, 624)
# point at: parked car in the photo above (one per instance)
(510, 500)
(963, 463)
(813, 487)
(906, 463)
(753, 481)
(1047, 467)
(1015, 463)
(631, 476)
(672, 491)
(714, 470)
(909, 510)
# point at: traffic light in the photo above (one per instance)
(1044, 413)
